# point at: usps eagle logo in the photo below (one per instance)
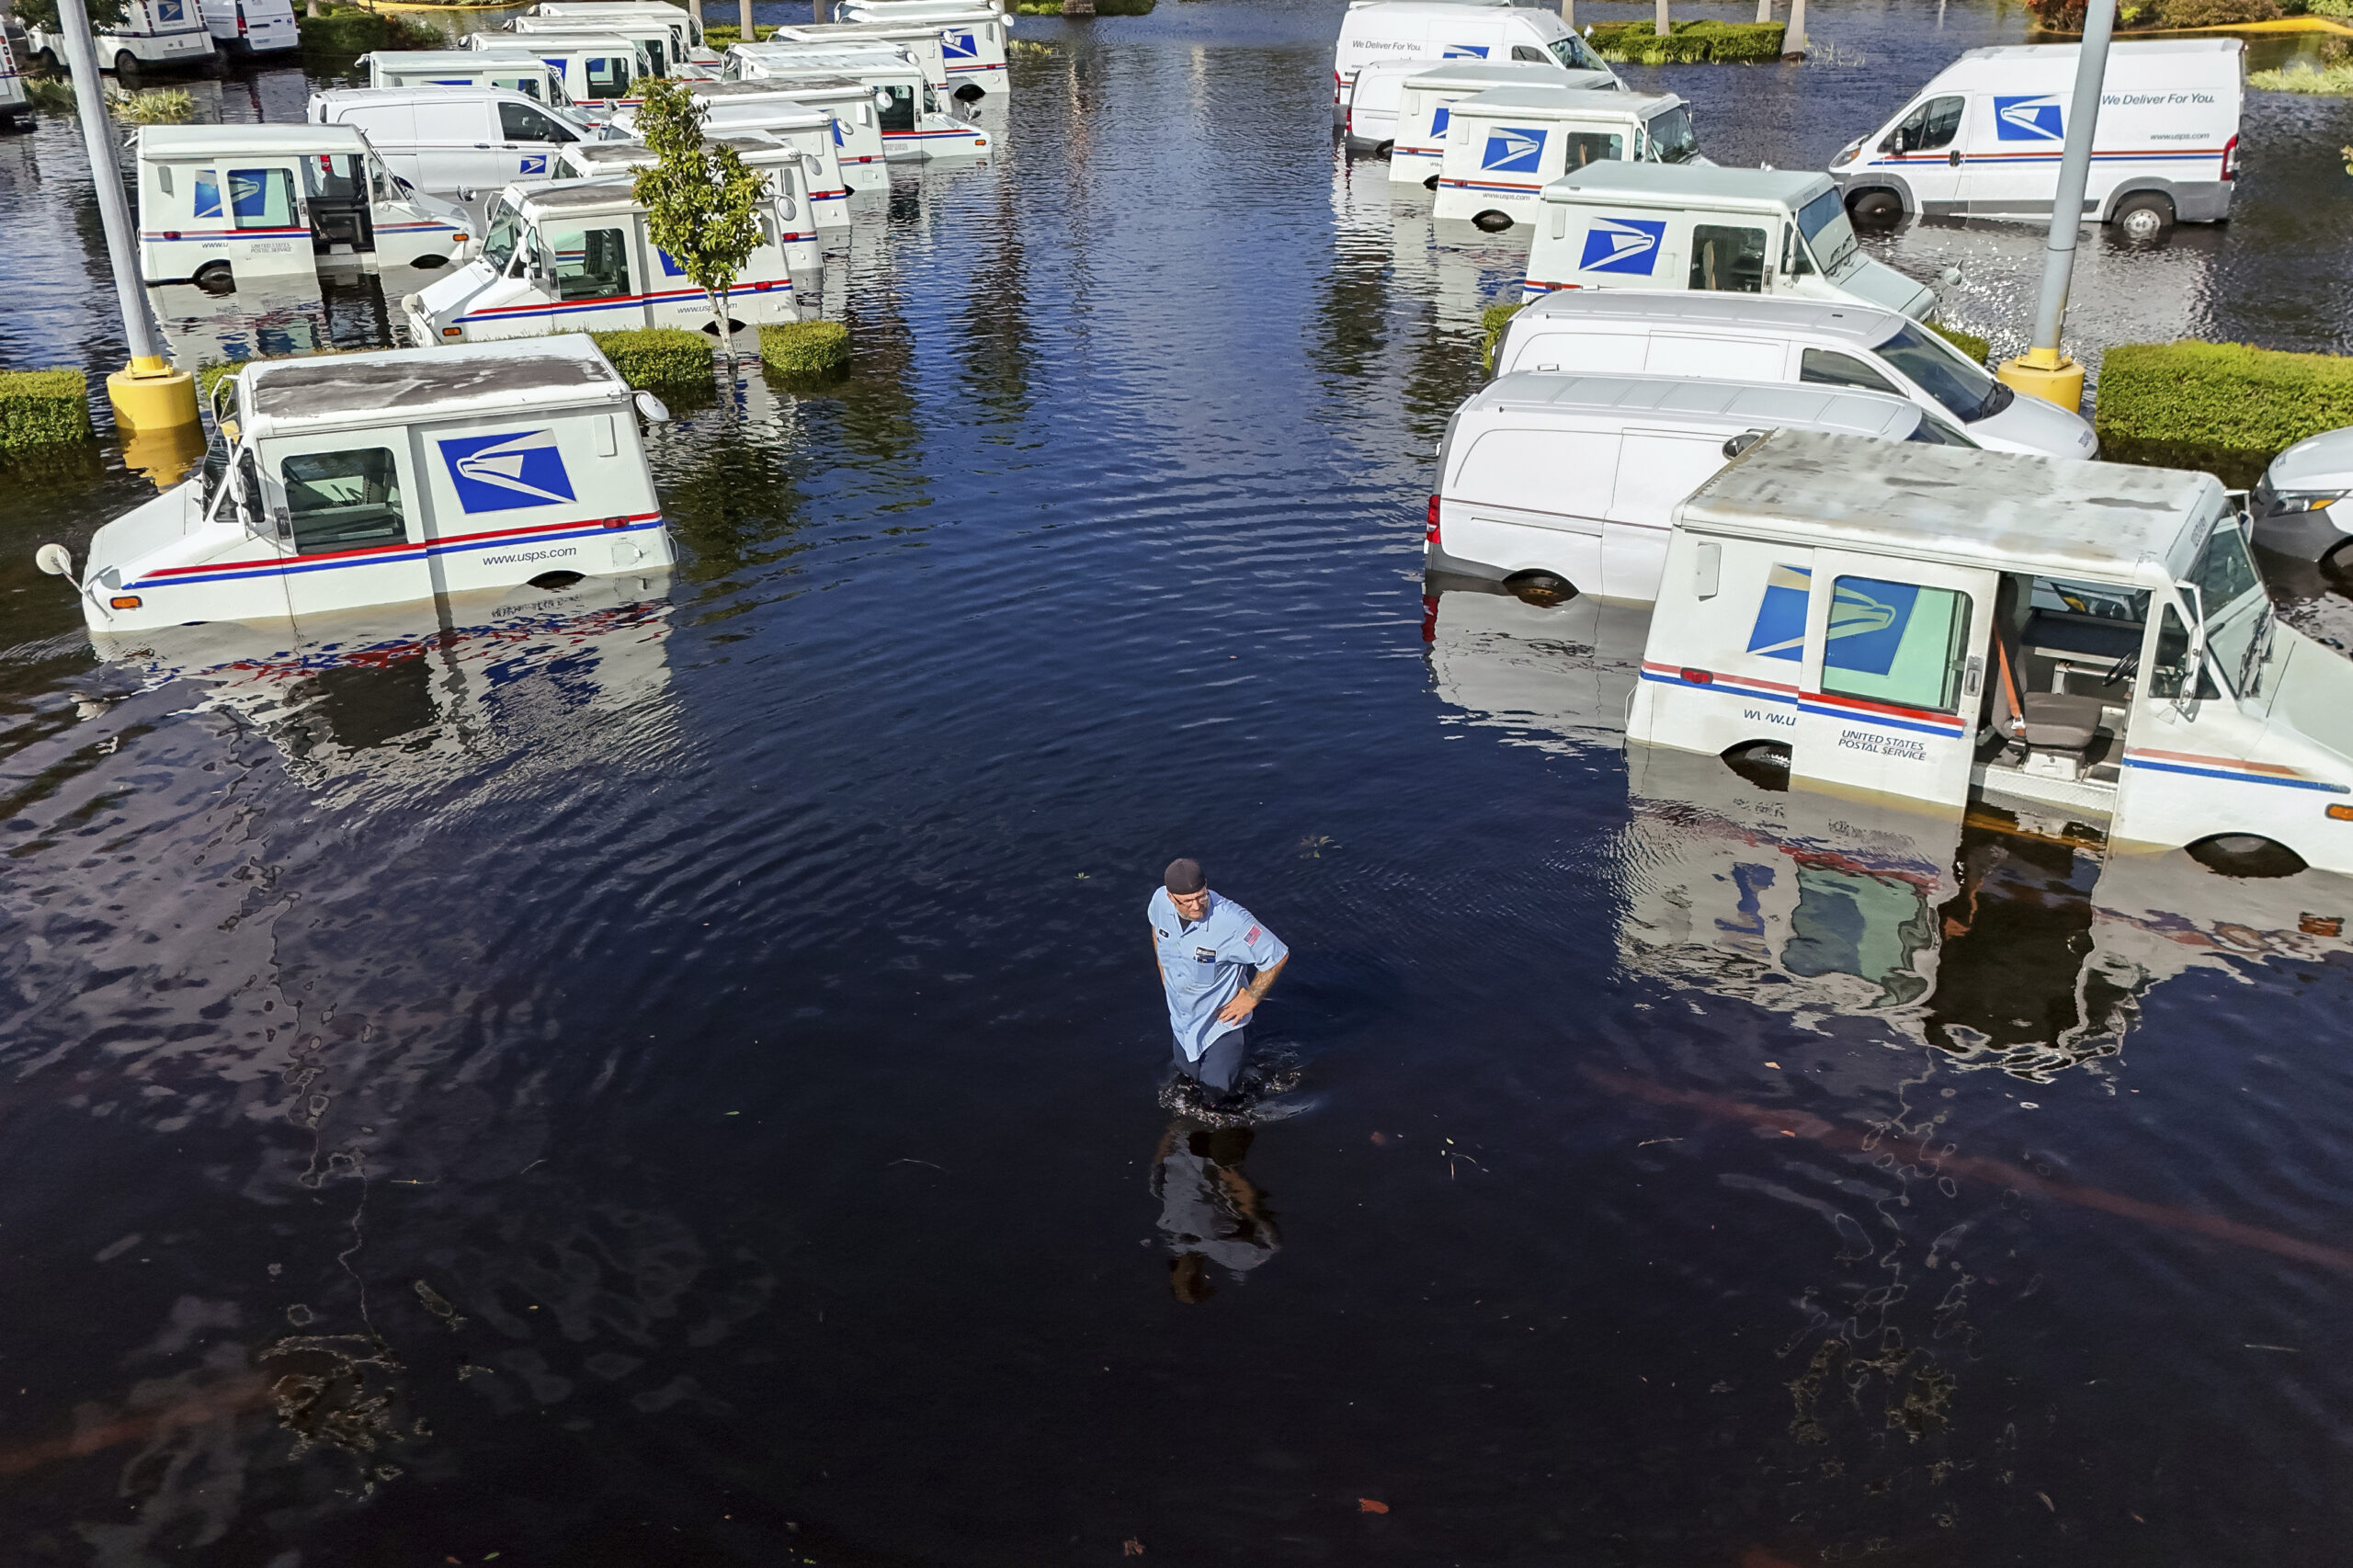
(500, 473)
(1622, 244)
(1465, 51)
(1512, 150)
(2029, 120)
(535, 163)
(1437, 121)
(959, 46)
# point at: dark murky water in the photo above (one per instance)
(668, 1076)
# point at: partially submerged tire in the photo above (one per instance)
(429, 263)
(1543, 589)
(1875, 208)
(1430, 184)
(1492, 221)
(2144, 216)
(2246, 855)
(214, 277)
(1764, 763)
(970, 92)
(1385, 149)
(553, 582)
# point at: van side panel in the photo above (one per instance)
(1532, 500)
(1657, 469)
(1722, 671)
(547, 499)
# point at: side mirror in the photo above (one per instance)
(654, 408)
(882, 98)
(55, 560)
(2193, 662)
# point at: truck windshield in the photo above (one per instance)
(2238, 612)
(1671, 137)
(1827, 232)
(505, 231)
(1944, 375)
(1576, 53)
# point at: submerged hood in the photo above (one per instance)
(1876, 283)
(122, 544)
(2310, 692)
(2316, 462)
(2042, 430)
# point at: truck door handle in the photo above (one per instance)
(1955, 159)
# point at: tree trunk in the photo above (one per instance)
(718, 317)
(1569, 15)
(1764, 10)
(1793, 41)
(1659, 26)
(743, 15)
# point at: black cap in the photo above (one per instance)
(1184, 877)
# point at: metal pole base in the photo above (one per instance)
(2045, 373)
(148, 395)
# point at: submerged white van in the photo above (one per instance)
(921, 42)
(573, 256)
(1570, 482)
(1377, 98)
(1505, 145)
(454, 139)
(2085, 642)
(1756, 338)
(251, 26)
(1425, 97)
(650, 32)
(686, 29)
(1440, 30)
(1669, 226)
(1982, 139)
(851, 136)
(222, 202)
(503, 464)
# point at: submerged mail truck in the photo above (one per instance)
(972, 40)
(508, 69)
(907, 112)
(1377, 98)
(150, 35)
(1440, 30)
(921, 42)
(813, 176)
(1504, 146)
(1984, 138)
(574, 256)
(381, 478)
(2082, 642)
(595, 68)
(1425, 97)
(222, 202)
(686, 29)
(1729, 230)
(1568, 482)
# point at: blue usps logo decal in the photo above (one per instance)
(1465, 51)
(1513, 150)
(1437, 121)
(959, 46)
(499, 474)
(535, 163)
(171, 11)
(1622, 244)
(2029, 120)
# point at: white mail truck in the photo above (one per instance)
(596, 68)
(152, 35)
(1440, 30)
(921, 40)
(911, 122)
(1377, 97)
(512, 70)
(1984, 138)
(767, 147)
(1426, 100)
(1505, 145)
(971, 39)
(686, 29)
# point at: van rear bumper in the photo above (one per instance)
(2202, 201)
(1437, 560)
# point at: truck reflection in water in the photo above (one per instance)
(2023, 945)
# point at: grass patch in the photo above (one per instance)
(2225, 407)
(804, 347)
(657, 356)
(155, 106)
(349, 29)
(2330, 81)
(1968, 343)
(1491, 321)
(1102, 7)
(50, 95)
(1690, 43)
(719, 35)
(42, 408)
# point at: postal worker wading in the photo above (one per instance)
(1217, 963)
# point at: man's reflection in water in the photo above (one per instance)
(1209, 1211)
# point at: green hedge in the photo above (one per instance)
(1689, 43)
(41, 408)
(348, 29)
(804, 347)
(1102, 7)
(657, 356)
(2225, 407)
(719, 35)
(1974, 346)
(1491, 321)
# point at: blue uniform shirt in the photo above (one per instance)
(1203, 962)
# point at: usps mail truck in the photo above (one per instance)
(1426, 100)
(686, 29)
(1984, 138)
(912, 123)
(1377, 99)
(1716, 229)
(596, 68)
(513, 70)
(152, 35)
(921, 40)
(804, 139)
(786, 166)
(1440, 30)
(780, 104)
(1506, 144)
(971, 37)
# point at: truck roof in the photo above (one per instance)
(764, 89)
(1865, 324)
(1734, 405)
(209, 140)
(1992, 509)
(558, 197)
(1417, 7)
(402, 385)
(1564, 103)
(1679, 184)
(748, 144)
(1467, 73)
(450, 59)
(2033, 67)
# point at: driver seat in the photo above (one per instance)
(2044, 720)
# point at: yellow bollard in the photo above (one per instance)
(148, 395)
(2045, 373)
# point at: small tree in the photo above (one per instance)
(43, 14)
(702, 206)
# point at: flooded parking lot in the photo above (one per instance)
(667, 1071)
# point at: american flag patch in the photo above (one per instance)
(1252, 936)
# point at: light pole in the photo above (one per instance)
(148, 395)
(2042, 371)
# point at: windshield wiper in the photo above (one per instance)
(2258, 652)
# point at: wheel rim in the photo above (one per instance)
(2141, 223)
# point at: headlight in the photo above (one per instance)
(2286, 503)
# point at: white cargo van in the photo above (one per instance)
(1984, 138)
(152, 35)
(1440, 30)
(1733, 231)
(217, 203)
(454, 139)
(1572, 480)
(908, 115)
(1425, 97)
(1759, 338)
(496, 466)
(763, 147)
(509, 70)
(16, 107)
(686, 29)
(573, 256)
(596, 68)
(251, 26)
(971, 39)
(920, 42)
(1505, 145)
(651, 33)
(2082, 641)
(784, 165)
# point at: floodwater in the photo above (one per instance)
(666, 1072)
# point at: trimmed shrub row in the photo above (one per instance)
(1974, 346)
(2225, 407)
(1491, 323)
(719, 35)
(804, 347)
(1102, 7)
(657, 356)
(41, 408)
(349, 29)
(1690, 43)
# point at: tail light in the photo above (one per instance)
(2231, 159)
(1432, 535)
(1429, 617)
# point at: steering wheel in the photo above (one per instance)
(2126, 668)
